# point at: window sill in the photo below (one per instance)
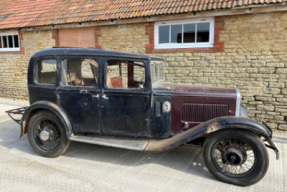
(10, 52)
(184, 46)
(215, 49)
(9, 49)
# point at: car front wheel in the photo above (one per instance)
(47, 135)
(236, 156)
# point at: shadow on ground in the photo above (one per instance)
(185, 159)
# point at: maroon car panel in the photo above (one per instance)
(192, 105)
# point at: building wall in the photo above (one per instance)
(128, 38)
(77, 37)
(13, 66)
(250, 54)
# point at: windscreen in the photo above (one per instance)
(157, 71)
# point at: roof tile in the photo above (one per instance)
(27, 13)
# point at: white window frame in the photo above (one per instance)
(8, 34)
(184, 45)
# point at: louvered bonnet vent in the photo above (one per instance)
(198, 112)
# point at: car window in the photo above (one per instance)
(46, 71)
(80, 72)
(125, 74)
(139, 73)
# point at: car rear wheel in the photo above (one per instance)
(236, 156)
(47, 135)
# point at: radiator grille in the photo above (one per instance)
(197, 112)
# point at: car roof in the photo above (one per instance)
(60, 51)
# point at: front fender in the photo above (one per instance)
(206, 128)
(45, 105)
(236, 122)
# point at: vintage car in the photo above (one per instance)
(122, 100)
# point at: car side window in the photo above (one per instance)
(125, 74)
(80, 72)
(46, 71)
(139, 73)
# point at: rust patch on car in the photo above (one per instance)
(24, 128)
(212, 127)
(55, 106)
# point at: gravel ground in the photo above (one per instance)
(87, 167)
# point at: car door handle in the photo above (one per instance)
(96, 96)
(105, 97)
(84, 91)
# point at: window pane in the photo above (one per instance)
(16, 41)
(114, 71)
(46, 71)
(116, 76)
(189, 33)
(1, 44)
(203, 32)
(5, 42)
(157, 71)
(10, 40)
(176, 33)
(125, 74)
(87, 68)
(139, 76)
(164, 34)
(80, 72)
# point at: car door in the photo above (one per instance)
(43, 79)
(79, 92)
(126, 97)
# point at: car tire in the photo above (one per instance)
(47, 122)
(224, 155)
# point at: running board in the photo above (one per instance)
(132, 144)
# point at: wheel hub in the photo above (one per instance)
(47, 134)
(235, 155)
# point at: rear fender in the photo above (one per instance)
(207, 128)
(45, 105)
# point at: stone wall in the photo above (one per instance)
(13, 66)
(128, 38)
(254, 60)
(250, 54)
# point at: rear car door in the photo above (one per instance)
(79, 92)
(44, 81)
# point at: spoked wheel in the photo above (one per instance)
(47, 135)
(236, 156)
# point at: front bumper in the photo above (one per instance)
(272, 146)
(271, 143)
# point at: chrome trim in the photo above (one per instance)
(238, 99)
(44, 135)
(243, 112)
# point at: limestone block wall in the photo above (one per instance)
(250, 53)
(252, 56)
(13, 66)
(130, 38)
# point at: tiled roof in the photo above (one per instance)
(29, 13)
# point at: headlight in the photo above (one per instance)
(243, 111)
